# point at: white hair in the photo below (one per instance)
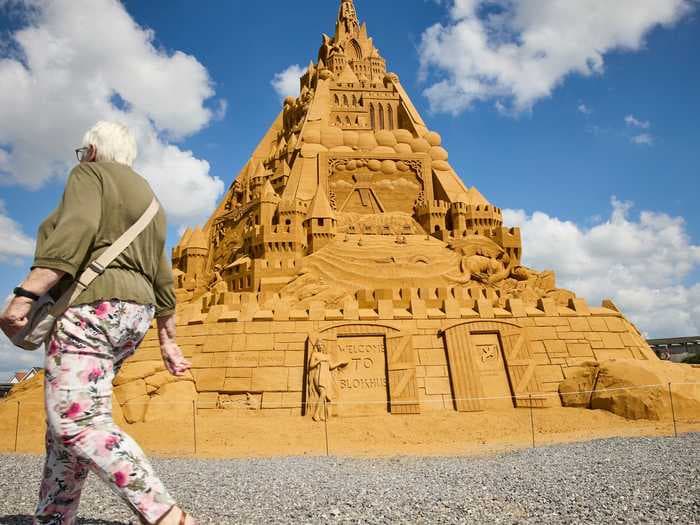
(114, 142)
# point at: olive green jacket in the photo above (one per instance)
(100, 202)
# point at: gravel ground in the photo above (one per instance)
(647, 480)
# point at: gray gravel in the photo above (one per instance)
(647, 480)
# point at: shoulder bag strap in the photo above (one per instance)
(98, 266)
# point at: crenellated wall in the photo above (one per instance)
(423, 350)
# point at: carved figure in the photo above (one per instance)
(217, 285)
(321, 367)
(484, 268)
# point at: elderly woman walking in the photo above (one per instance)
(102, 199)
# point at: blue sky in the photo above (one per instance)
(594, 151)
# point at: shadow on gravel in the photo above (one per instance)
(23, 519)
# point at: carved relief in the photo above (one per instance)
(491, 366)
(322, 371)
(363, 383)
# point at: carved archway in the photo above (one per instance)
(520, 363)
(398, 362)
(355, 50)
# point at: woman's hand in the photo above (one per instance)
(39, 281)
(173, 359)
(14, 318)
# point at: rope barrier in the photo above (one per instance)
(521, 396)
(530, 397)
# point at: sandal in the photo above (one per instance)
(183, 517)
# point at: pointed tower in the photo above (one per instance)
(351, 144)
(193, 258)
(320, 222)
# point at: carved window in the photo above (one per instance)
(347, 121)
(337, 100)
(390, 116)
(372, 119)
(345, 100)
(354, 100)
(381, 117)
(357, 50)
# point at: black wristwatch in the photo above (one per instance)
(21, 292)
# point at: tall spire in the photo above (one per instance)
(348, 23)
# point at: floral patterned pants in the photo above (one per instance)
(86, 349)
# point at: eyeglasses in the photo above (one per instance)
(81, 153)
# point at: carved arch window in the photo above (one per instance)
(354, 100)
(356, 49)
(381, 117)
(337, 100)
(390, 116)
(372, 116)
(345, 100)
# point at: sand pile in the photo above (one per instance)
(634, 389)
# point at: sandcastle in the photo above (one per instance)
(349, 271)
(348, 267)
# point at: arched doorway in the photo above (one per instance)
(372, 368)
(491, 366)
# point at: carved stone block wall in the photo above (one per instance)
(385, 358)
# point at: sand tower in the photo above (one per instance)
(349, 264)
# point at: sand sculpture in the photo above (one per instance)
(349, 271)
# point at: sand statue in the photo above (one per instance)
(321, 367)
(348, 224)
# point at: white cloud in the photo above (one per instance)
(645, 139)
(13, 359)
(519, 51)
(642, 139)
(79, 61)
(14, 244)
(642, 264)
(582, 108)
(286, 83)
(634, 122)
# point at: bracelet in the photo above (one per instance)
(21, 292)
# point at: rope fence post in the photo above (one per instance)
(532, 421)
(194, 425)
(17, 425)
(325, 424)
(673, 410)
